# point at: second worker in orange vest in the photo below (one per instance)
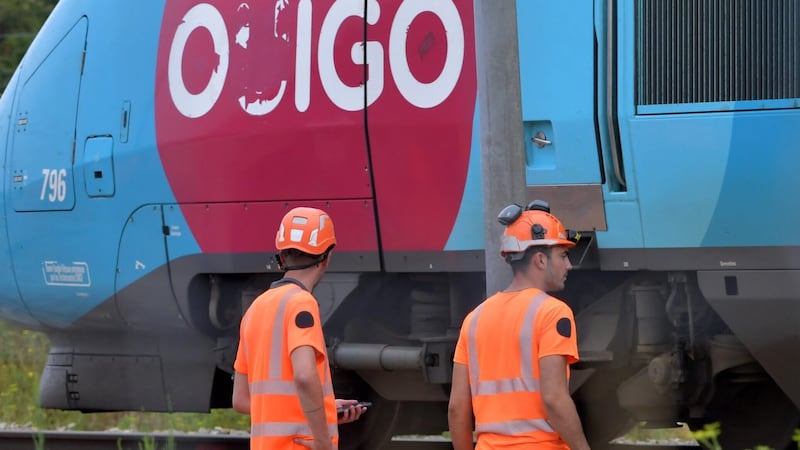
(282, 377)
(513, 353)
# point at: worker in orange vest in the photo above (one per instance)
(282, 377)
(513, 353)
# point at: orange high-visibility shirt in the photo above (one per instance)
(501, 342)
(280, 320)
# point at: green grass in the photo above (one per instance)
(641, 433)
(22, 357)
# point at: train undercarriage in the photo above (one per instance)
(655, 350)
(659, 348)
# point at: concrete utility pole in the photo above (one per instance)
(500, 114)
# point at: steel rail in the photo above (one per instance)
(117, 440)
(121, 440)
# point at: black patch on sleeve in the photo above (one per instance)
(564, 327)
(304, 319)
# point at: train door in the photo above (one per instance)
(42, 191)
(44, 137)
(557, 81)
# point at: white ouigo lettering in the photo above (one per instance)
(243, 35)
(426, 95)
(348, 98)
(263, 106)
(302, 67)
(191, 105)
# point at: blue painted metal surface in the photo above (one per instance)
(694, 180)
(556, 54)
(64, 253)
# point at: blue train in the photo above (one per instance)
(149, 150)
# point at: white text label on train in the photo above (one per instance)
(75, 273)
(347, 98)
(54, 185)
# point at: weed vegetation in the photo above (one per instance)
(22, 357)
(642, 433)
(708, 437)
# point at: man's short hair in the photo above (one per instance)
(522, 263)
(295, 257)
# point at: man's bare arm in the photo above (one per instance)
(309, 389)
(561, 412)
(241, 393)
(459, 411)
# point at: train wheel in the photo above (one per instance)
(752, 415)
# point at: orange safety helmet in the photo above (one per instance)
(530, 227)
(309, 230)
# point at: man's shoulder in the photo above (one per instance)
(286, 292)
(555, 303)
(301, 295)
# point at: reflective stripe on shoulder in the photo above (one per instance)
(275, 385)
(276, 344)
(267, 429)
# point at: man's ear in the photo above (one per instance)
(326, 261)
(539, 259)
(280, 260)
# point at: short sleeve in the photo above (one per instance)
(556, 331)
(303, 326)
(240, 364)
(461, 355)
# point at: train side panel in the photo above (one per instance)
(149, 147)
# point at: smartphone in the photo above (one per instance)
(340, 411)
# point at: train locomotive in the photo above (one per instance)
(149, 150)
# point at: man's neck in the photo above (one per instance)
(521, 282)
(309, 277)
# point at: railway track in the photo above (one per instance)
(74, 440)
(99, 440)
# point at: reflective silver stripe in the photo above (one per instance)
(505, 385)
(280, 387)
(514, 426)
(524, 383)
(276, 346)
(275, 429)
(275, 385)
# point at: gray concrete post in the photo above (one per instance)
(500, 114)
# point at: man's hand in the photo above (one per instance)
(558, 403)
(316, 445)
(351, 412)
